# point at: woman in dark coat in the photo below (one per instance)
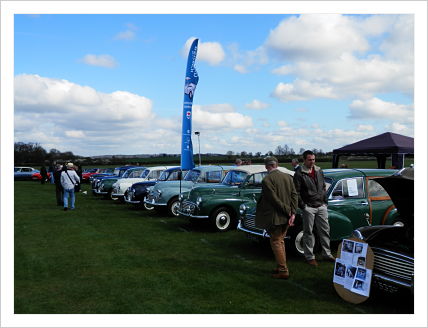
(44, 174)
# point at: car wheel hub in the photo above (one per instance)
(298, 242)
(223, 220)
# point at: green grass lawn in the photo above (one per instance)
(107, 258)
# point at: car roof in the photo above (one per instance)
(349, 173)
(162, 167)
(214, 167)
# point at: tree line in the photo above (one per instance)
(35, 154)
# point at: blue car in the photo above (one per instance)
(25, 173)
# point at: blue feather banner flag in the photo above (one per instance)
(190, 83)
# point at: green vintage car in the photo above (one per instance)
(355, 199)
(219, 204)
(164, 195)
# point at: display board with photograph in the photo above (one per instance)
(353, 270)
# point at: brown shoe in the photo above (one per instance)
(281, 275)
(312, 262)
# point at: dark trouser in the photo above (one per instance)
(59, 195)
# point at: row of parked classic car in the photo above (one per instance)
(375, 205)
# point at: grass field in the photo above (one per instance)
(106, 258)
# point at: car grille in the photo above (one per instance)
(129, 195)
(249, 222)
(153, 195)
(394, 265)
(188, 207)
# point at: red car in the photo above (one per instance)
(38, 176)
(89, 172)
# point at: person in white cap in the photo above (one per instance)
(69, 179)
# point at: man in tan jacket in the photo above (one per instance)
(276, 211)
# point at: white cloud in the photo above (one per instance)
(375, 108)
(302, 90)
(75, 134)
(100, 60)
(56, 112)
(125, 35)
(364, 127)
(283, 70)
(219, 120)
(210, 52)
(128, 35)
(240, 68)
(345, 56)
(257, 105)
(400, 128)
(315, 37)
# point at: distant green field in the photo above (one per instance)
(323, 165)
(108, 258)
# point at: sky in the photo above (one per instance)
(98, 84)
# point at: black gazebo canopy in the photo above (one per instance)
(380, 146)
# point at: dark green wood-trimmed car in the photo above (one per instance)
(219, 203)
(355, 199)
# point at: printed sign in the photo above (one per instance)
(350, 269)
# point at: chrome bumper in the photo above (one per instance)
(263, 234)
(193, 216)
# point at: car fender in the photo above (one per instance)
(391, 215)
(212, 204)
(340, 225)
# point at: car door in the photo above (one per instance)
(379, 201)
(252, 188)
(348, 197)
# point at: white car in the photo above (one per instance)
(122, 185)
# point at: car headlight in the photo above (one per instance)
(242, 209)
(198, 200)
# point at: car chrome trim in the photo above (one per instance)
(193, 216)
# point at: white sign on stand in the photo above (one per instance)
(353, 270)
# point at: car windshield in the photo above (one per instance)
(134, 173)
(145, 173)
(16, 169)
(90, 170)
(127, 173)
(328, 182)
(193, 175)
(234, 178)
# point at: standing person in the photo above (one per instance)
(310, 186)
(51, 171)
(295, 164)
(276, 209)
(69, 178)
(238, 162)
(79, 172)
(44, 174)
(58, 187)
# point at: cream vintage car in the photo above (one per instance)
(122, 185)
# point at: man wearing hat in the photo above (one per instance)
(276, 211)
(69, 179)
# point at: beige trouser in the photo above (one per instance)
(277, 234)
(319, 217)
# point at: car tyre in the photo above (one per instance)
(173, 206)
(296, 241)
(222, 219)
